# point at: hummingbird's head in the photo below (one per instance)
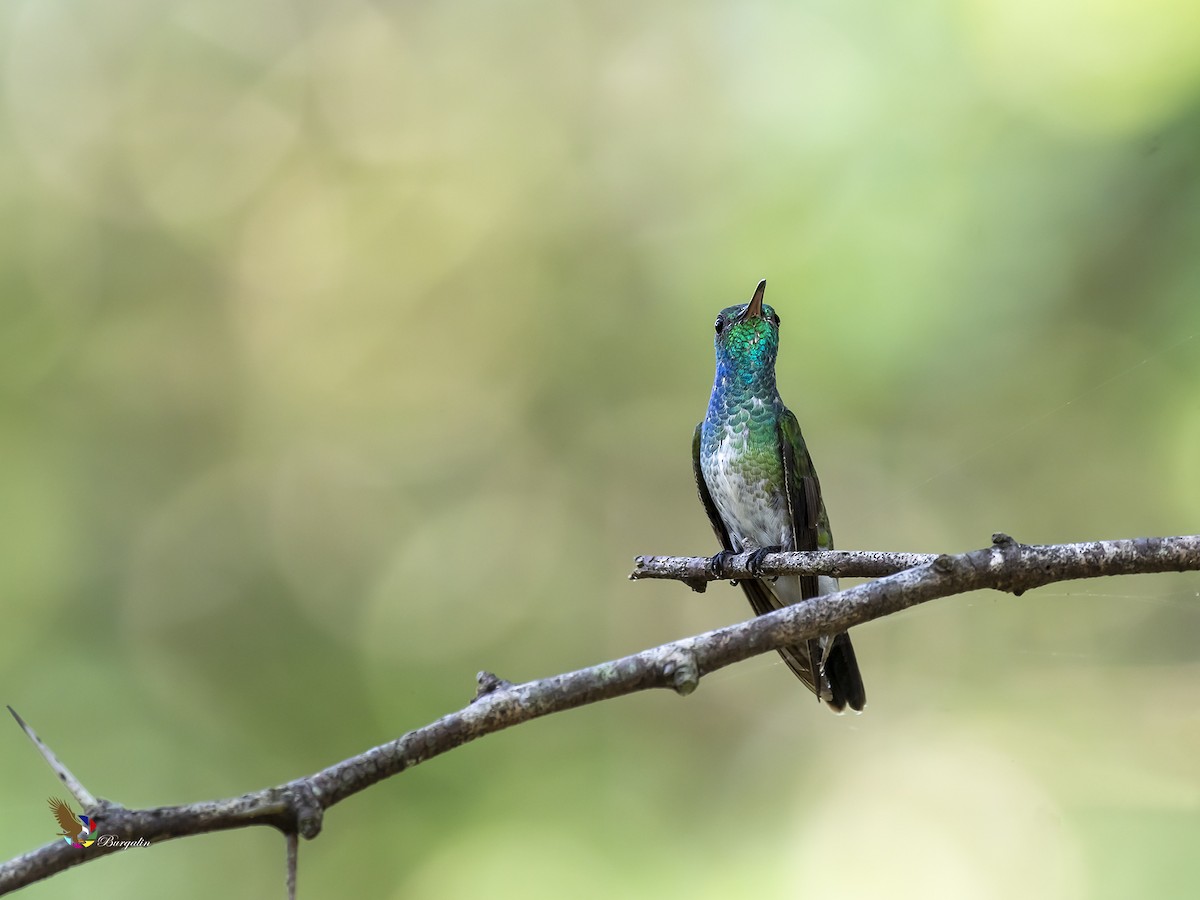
(748, 336)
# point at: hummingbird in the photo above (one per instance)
(760, 490)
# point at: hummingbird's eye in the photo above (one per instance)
(720, 324)
(775, 319)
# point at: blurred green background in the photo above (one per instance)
(351, 348)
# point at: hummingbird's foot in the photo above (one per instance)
(718, 563)
(755, 560)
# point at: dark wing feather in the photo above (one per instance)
(838, 671)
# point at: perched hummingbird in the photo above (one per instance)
(759, 487)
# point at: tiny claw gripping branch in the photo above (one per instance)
(754, 562)
(718, 564)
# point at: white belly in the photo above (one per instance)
(754, 514)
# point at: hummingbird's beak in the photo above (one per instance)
(754, 307)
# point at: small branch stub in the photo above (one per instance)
(1011, 549)
(487, 683)
(310, 815)
(683, 670)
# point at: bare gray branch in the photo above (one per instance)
(694, 570)
(296, 807)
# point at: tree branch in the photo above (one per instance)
(296, 808)
(695, 572)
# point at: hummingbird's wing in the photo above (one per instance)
(837, 666)
(803, 661)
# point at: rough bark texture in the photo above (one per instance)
(297, 806)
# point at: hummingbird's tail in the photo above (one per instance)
(844, 679)
(827, 667)
(830, 672)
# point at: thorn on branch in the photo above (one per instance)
(293, 852)
(487, 683)
(73, 784)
